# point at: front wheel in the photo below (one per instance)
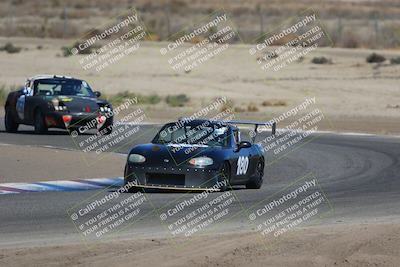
(40, 126)
(9, 122)
(107, 128)
(131, 189)
(257, 181)
(224, 177)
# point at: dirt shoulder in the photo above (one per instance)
(338, 245)
(33, 164)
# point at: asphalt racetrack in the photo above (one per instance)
(359, 175)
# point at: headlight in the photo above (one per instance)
(136, 158)
(201, 161)
(60, 108)
(105, 109)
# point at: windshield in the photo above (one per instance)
(50, 87)
(205, 134)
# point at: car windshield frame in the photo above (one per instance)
(223, 141)
(67, 87)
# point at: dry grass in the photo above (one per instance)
(359, 21)
(4, 90)
(3, 94)
(239, 109)
(252, 108)
(274, 103)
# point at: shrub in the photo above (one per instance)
(375, 58)
(226, 106)
(3, 94)
(10, 48)
(252, 107)
(67, 50)
(395, 60)
(149, 99)
(321, 60)
(177, 100)
(121, 97)
(274, 103)
(239, 109)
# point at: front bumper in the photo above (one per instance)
(55, 119)
(179, 178)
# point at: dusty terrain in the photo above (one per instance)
(365, 244)
(354, 95)
(352, 23)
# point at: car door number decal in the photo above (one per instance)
(242, 165)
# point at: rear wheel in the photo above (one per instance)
(40, 126)
(257, 181)
(9, 121)
(224, 176)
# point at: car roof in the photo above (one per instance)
(48, 76)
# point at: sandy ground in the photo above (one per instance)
(347, 91)
(54, 164)
(334, 245)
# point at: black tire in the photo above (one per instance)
(9, 121)
(257, 181)
(39, 124)
(73, 131)
(106, 129)
(132, 189)
(224, 175)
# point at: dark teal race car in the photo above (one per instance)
(197, 155)
(50, 101)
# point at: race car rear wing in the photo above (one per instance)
(256, 124)
(271, 124)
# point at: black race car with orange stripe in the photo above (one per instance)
(51, 101)
(197, 155)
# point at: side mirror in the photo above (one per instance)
(97, 93)
(23, 91)
(244, 144)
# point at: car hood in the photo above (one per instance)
(161, 154)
